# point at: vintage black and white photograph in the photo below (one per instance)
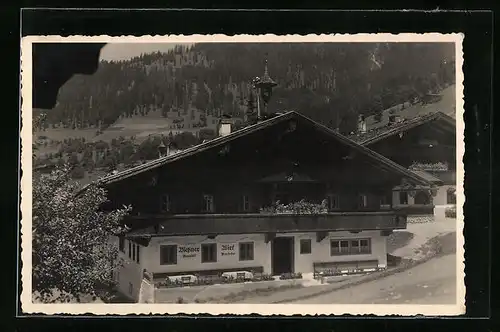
(243, 174)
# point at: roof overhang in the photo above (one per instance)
(407, 125)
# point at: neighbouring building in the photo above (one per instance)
(424, 144)
(214, 207)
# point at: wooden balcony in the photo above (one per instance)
(215, 224)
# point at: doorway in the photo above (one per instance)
(282, 255)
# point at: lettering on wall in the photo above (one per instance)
(228, 250)
(189, 252)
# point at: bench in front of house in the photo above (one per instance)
(340, 268)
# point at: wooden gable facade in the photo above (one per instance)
(287, 158)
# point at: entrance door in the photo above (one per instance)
(282, 255)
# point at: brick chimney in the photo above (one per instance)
(225, 126)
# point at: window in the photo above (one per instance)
(165, 203)
(245, 203)
(451, 197)
(168, 254)
(121, 243)
(209, 253)
(129, 249)
(246, 251)
(350, 247)
(362, 201)
(344, 247)
(333, 202)
(137, 248)
(130, 288)
(133, 251)
(305, 246)
(384, 200)
(403, 197)
(208, 203)
(365, 247)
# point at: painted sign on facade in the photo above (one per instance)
(228, 250)
(188, 251)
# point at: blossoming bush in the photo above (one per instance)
(71, 250)
(300, 207)
(450, 212)
(439, 166)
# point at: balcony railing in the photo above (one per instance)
(207, 224)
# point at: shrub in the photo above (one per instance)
(180, 300)
(451, 212)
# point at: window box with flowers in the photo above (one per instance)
(300, 207)
(419, 166)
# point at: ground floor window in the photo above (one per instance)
(121, 244)
(209, 253)
(246, 251)
(168, 255)
(305, 246)
(350, 247)
(451, 196)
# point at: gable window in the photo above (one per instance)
(333, 202)
(209, 253)
(403, 197)
(121, 244)
(208, 203)
(305, 246)
(246, 251)
(168, 254)
(245, 203)
(362, 201)
(165, 205)
(384, 199)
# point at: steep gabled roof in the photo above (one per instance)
(380, 133)
(429, 177)
(220, 141)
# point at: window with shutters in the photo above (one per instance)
(246, 251)
(350, 247)
(168, 254)
(209, 253)
(305, 246)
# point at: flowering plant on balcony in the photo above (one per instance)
(439, 166)
(300, 207)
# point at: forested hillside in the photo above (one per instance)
(329, 82)
(118, 116)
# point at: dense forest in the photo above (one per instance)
(329, 82)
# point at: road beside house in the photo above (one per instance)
(437, 239)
